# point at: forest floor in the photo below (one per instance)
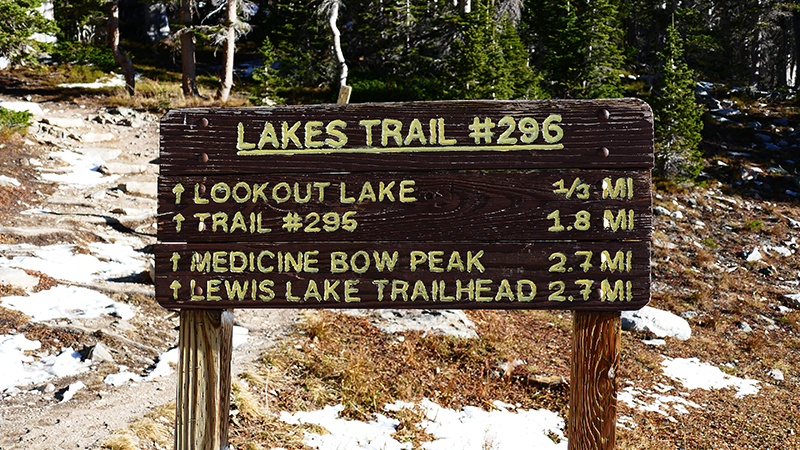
(724, 258)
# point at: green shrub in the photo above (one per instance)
(14, 119)
(85, 54)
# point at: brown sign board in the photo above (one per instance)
(479, 204)
(405, 275)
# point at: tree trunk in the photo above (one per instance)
(189, 78)
(119, 55)
(227, 54)
(337, 42)
(344, 89)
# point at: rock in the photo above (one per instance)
(99, 153)
(688, 314)
(791, 300)
(721, 119)
(661, 211)
(766, 320)
(771, 147)
(677, 215)
(106, 118)
(746, 175)
(100, 354)
(776, 169)
(143, 360)
(783, 251)
(664, 244)
(141, 189)
(18, 278)
(96, 137)
(48, 134)
(728, 112)
(763, 137)
(121, 169)
(776, 374)
(755, 125)
(781, 122)
(49, 387)
(744, 327)
(547, 380)
(65, 122)
(124, 325)
(751, 256)
(123, 111)
(451, 322)
(661, 323)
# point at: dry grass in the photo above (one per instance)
(342, 359)
(153, 431)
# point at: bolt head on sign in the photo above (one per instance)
(465, 204)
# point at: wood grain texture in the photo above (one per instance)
(204, 384)
(608, 266)
(202, 141)
(480, 206)
(593, 380)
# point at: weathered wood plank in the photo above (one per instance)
(204, 386)
(482, 206)
(457, 135)
(555, 275)
(593, 380)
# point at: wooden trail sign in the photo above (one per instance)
(408, 205)
(466, 204)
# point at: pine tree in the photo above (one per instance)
(578, 45)
(490, 61)
(678, 117)
(19, 21)
(603, 58)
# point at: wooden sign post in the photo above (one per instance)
(467, 204)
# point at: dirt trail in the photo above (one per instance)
(119, 208)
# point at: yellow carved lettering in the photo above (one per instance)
(211, 287)
(406, 187)
(268, 135)
(311, 131)
(415, 131)
(333, 130)
(368, 124)
(240, 143)
(350, 289)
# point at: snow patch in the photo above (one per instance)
(70, 302)
(8, 181)
(20, 369)
(694, 374)
(661, 323)
(505, 428)
(71, 390)
(61, 262)
(112, 80)
(83, 170)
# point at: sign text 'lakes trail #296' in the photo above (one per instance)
(536, 204)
